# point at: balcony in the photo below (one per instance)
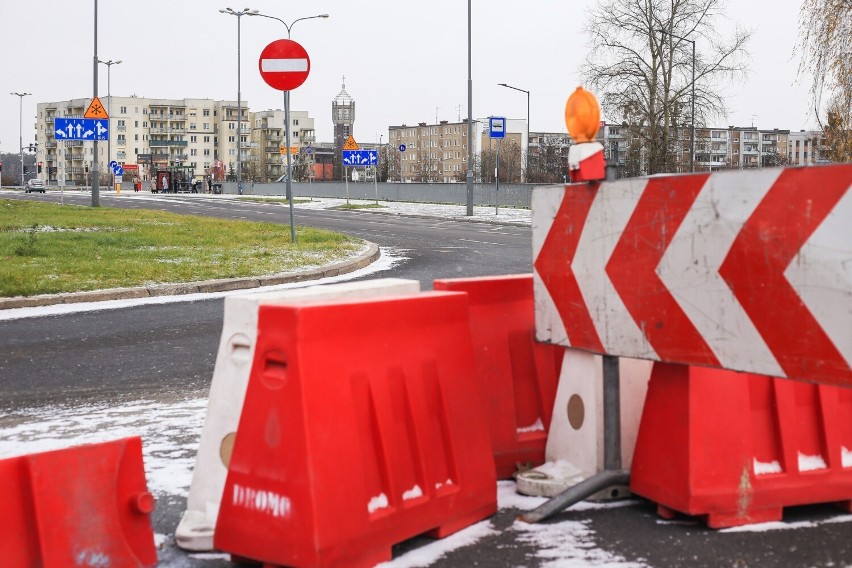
(161, 143)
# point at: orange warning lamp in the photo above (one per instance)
(582, 116)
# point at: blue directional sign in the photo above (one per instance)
(360, 157)
(81, 129)
(402, 147)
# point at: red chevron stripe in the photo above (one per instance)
(554, 266)
(781, 224)
(632, 269)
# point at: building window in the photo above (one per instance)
(207, 139)
(123, 110)
(206, 112)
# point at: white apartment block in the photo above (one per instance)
(803, 147)
(269, 143)
(199, 137)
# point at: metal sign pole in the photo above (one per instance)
(289, 163)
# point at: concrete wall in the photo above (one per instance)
(510, 195)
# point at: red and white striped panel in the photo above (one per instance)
(744, 270)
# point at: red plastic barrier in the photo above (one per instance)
(81, 506)
(517, 375)
(361, 428)
(736, 448)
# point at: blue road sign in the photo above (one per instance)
(402, 147)
(497, 126)
(360, 157)
(81, 129)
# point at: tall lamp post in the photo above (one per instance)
(692, 120)
(109, 65)
(239, 14)
(527, 151)
(469, 196)
(20, 130)
(287, 118)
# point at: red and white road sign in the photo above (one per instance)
(284, 64)
(748, 271)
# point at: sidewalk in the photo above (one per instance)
(503, 215)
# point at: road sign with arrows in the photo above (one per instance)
(360, 157)
(81, 129)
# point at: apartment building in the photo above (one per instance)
(267, 159)
(803, 147)
(428, 152)
(186, 134)
(438, 152)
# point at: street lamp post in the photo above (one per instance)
(469, 196)
(20, 130)
(287, 118)
(527, 151)
(692, 119)
(109, 65)
(239, 14)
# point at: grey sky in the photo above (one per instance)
(187, 49)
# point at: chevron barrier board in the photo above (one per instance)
(747, 270)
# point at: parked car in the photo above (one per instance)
(34, 185)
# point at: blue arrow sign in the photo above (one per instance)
(360, 157)
(81, 129)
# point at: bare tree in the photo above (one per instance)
(825, 49)
(640, 64)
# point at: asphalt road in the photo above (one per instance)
(166, 353)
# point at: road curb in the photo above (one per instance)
(221, 285)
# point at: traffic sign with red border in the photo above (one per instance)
(284, 64)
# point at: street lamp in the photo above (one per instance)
(239, 14)
(20, 130)
(692, 121)
(287, 117)
(109, 65)
(469, 178)
(527, 151)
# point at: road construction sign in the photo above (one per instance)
(96, 110)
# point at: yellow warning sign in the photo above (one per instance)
(96, 110)
(350, 144)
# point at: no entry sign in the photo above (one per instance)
(284, 64)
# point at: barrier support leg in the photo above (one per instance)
(612, 475)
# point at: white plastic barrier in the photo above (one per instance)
(228, 388)
(575, 442)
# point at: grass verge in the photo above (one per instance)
(47, 248)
